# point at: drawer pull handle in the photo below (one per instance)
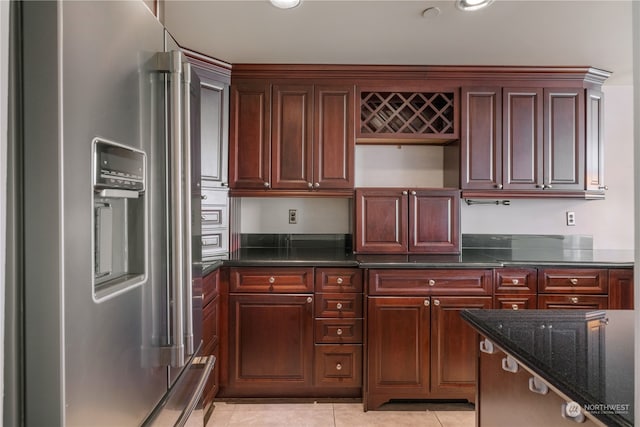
(339, 306)
(310, 185)
(514, 306)
(574, 281)
(486, 346)
(515, 281)
(272, 279)
(339, 331)
(427, 302)
(309, 300)
(432, 282)
(537, 386)
(510, 364)
(266, 185)
(574, 300)
(436, 302)
(339, 280)
(338, 367)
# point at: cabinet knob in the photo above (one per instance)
(514, 306)
(515, 281)
(432, 282)
(436, 302)
(203, 197)
(266, 185)
(339, 306)
(540, 186)
(603, 187)
(413, 193)
(339, 280)
(574, 300)
(224, 184)
(202, 217)
(338, 366)
(404, 193)
(574, 281)
(309, 300)
(499, 186)
(339, 331)
(310, 185)
(316, 185)
(427, 302)
(272, 279)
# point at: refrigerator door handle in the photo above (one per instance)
(187, 238)
(176, 210)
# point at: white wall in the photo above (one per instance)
(609, 221)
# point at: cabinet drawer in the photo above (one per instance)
(515, 302)
(338, 331)
(279, 280)
(338, 305)
(209, 287)
(430, 282)
(578, 281)
(584, 302)
(515, 280)
(338, 280)
(338, 365)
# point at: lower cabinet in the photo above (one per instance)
(211, 335)
(270, 345)
(420, 348)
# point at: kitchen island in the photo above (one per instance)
(541, 367)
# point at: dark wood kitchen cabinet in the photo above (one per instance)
(621, 289)
(531, 142)
(580, 288)
(292, 136)
(418, 346)
(270, 345)
(393, 220)
(515, 288)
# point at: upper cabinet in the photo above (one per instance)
(536, 139)
(508, 131)
(292, 137)
(214, 119)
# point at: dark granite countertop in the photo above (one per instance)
(586, 355)
(469, 258)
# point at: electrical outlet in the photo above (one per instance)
(571, 218)
(293, 216)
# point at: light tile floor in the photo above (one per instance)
(337, 415)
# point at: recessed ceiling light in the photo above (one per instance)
(470, 5)
(285, 4)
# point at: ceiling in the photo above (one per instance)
(508, 32)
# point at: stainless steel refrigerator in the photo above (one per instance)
(107, 176)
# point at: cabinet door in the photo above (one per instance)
(398, 349)
(250, 135)
(481, 149)
(594, 142)
(214, 128)
(292, 136)
(621, 289)
(522, 138)
(453, 346)
(564, 138)
(434, 221)
(381, 220)
(271, 344)
(334, 137)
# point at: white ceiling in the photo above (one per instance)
(508, 32)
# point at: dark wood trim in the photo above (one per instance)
(291, 193)
(585, 74)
